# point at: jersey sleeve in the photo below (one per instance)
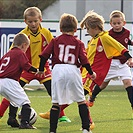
(48, 50)
(47, 34)
(112, 47)
(83, 55)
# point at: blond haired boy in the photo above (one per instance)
(118, 68)
(100, 51)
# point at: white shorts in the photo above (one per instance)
(118, 71)
(67, 84)
(12, 90)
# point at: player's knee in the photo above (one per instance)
(26, 106)
(55, 107)
(83, 102)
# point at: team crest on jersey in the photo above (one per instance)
(100, 48)
(126, 40)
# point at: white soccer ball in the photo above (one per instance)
(33, 116)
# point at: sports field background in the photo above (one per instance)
(111, 113)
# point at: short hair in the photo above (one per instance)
(20, 38)
(92, 20)
(118, 14)
(32, 11)
(68, 22)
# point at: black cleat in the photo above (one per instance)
(26, 126)
(12, 122)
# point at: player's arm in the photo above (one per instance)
(42, 63)
(127, 55)
(130, 42)
(129, 59)
(44, 56)
(33, 69)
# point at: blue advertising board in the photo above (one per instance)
(6, 38)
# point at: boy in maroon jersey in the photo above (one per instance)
(118, 68)
(11, 66)
(68, 55)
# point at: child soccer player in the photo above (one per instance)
(118, 67)
(11, 66)
(39, 38)
(68, 54)
(101, 49)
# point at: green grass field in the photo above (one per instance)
(111, 113)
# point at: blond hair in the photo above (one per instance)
(68, 22)
(20, 38)
(117, 13)
(92, 20)
(32, 11)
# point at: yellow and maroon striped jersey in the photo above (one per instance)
(100, 51)
(38, 41)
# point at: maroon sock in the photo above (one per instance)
(62, 113)
(3, 107)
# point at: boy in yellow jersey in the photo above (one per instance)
(100, 51)
(119, 68)
(39, 37)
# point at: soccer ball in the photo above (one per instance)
(33, 116)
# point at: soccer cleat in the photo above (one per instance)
(45, 115)
(26, 126)
(12, 122)
(92, 126)
(64, 119)
(91, 101)
(86, 131)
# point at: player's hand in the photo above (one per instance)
(130, 62)
(93, 76)
(40, 74)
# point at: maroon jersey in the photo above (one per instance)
(66, 49)
(123, 38)
(13, 63)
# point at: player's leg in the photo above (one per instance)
(17, 97)
(47, 85)
(62, 116)
(126, 76)
(12, 121)
(54, 115)
(83, 112)
(92, 124)
(25, 112)
(129, 88)
(3, 107)
(96, 91)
